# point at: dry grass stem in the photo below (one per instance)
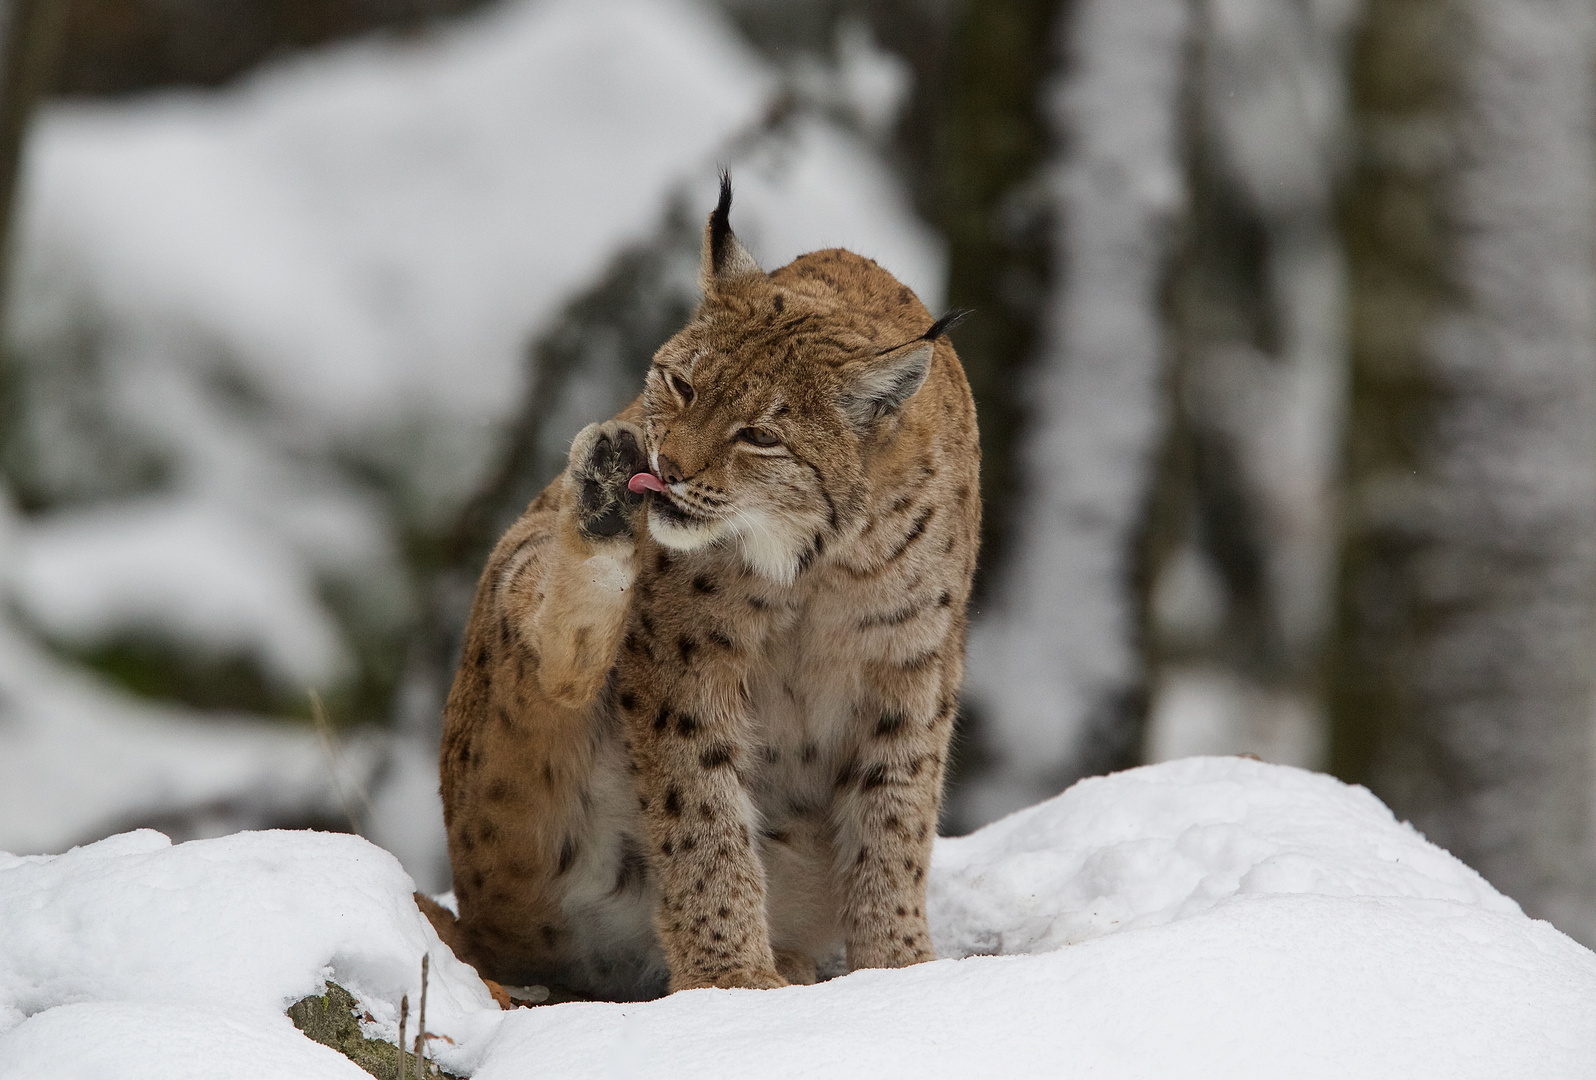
(332, 748)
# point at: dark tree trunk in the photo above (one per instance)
(30, 47)
(991, 204)
(973, 143)
(1239, 548)
(1055, 661)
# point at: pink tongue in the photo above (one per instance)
(645, 481)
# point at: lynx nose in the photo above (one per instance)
(669, 471)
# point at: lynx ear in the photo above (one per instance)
(724, 256)
(879, 385)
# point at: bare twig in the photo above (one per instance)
(404, 1017)
(421, 1017)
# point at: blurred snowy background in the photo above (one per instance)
(1284, 356)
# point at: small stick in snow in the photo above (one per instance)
(421, 1020)
(404, 1015)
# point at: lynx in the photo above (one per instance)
(699, 729)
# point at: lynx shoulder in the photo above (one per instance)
(700, 725)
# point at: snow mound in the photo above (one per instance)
(1301, 987)
(105, 1038)
(1156, 844)
(135, 930)
(1209, 917)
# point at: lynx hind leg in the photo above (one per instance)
(603, 458)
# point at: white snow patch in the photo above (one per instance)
(93, 1042)
(247, 923)
(1301, 986)
(185, 566)
(1195, 919)
(382, 223)
(78, 758)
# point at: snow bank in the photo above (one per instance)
(1158, 844)
(1210, 917)
(190, 1042)
(132, 930)
(1305, 988)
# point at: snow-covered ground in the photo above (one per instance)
(1214, 917)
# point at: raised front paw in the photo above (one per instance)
(603, 458)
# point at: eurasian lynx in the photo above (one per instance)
(699, 729)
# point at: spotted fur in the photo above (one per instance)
(706, 746)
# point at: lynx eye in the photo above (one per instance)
(758, 436)
(682, 387)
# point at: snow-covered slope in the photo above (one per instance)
(1155, 845)
(1210, 917)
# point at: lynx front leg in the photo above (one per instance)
(680, 685)
(886, 813)
(579, 622)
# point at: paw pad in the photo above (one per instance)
(601, 476)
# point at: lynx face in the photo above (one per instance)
(760, 435)
(738, 457)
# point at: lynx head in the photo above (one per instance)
(762, 414)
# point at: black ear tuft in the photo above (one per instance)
(720, 224)
(724, 258)
(938, 328)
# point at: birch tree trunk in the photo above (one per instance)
(1464, 681)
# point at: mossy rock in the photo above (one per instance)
(330, 1020)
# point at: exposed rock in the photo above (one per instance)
(330, 1020)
